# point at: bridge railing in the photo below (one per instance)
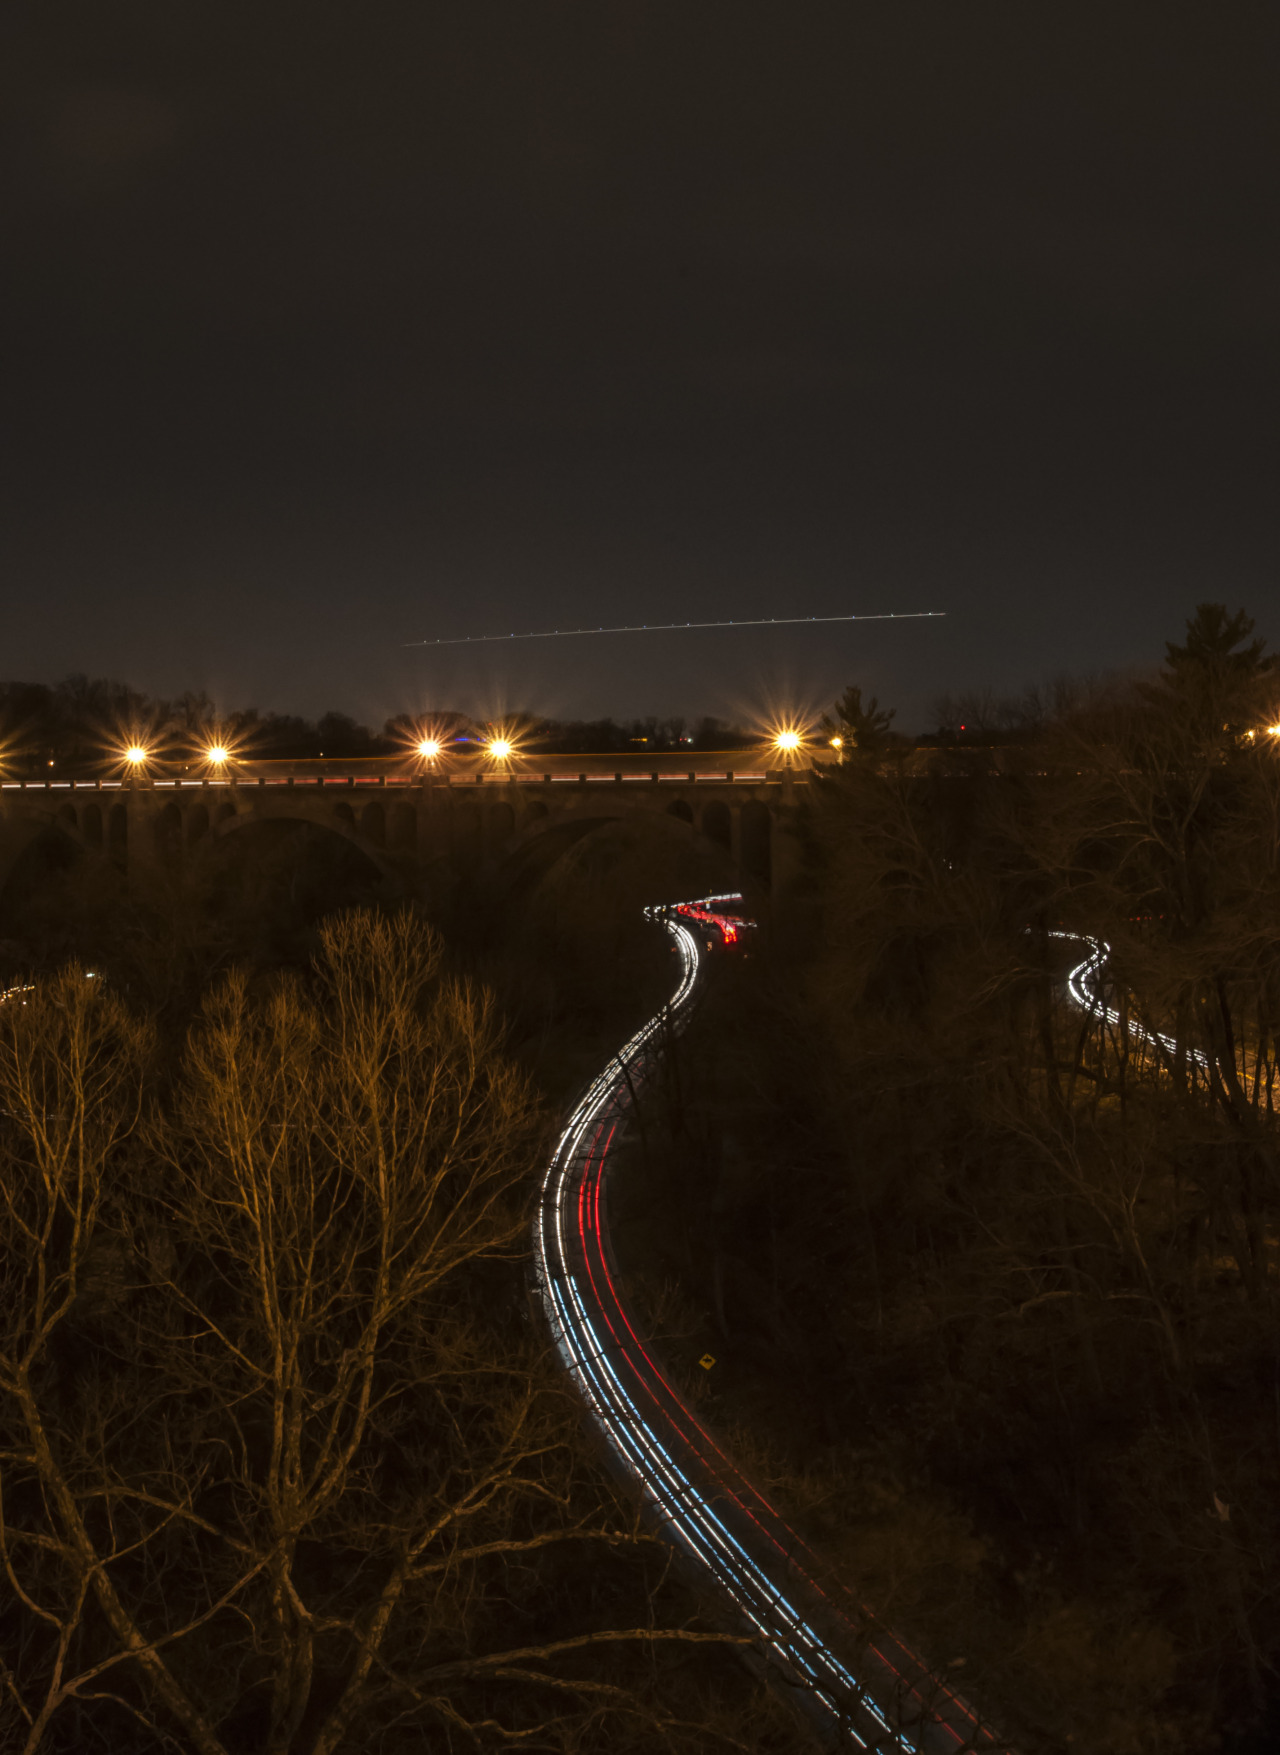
(479, 776)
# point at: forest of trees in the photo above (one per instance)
(285, 1465)
(990, 1282)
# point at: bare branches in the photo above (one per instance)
(276, 1438)
(1069, 1217)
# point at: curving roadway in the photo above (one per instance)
(863, 1684)
(1084, 985)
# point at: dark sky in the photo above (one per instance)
(328, 327)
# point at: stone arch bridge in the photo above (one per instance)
(483, 828)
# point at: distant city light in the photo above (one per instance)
(500, 749)
(135, 755)
(429, 747)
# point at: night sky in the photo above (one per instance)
(329, 327)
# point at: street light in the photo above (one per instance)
(787, 740)
(135, 755)
(429, 748)
(217, 754)
(500, 749)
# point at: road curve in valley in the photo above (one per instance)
(864, 1685)
(1085, 987)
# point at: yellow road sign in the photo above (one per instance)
(706, 1361)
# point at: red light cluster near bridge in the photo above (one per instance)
(705, 913)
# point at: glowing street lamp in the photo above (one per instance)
(429, 748)
(787, 740)
(837, 743)
(135, 755)
(500, 749)
(218, 755)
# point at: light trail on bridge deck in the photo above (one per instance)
(245, 780)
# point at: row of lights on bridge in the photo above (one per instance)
(498, 749)
(501, 749)
(217, 755)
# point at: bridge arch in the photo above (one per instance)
(483, 834)
(717, 825)
(548, 838)
(238, 823)
(756, 839)
(542, 844)
(402, 828)
(52, 837)
(467, 837)
(166, 830)
(501, 827)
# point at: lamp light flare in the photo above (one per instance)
(135, 755)
(787, 740)
(837, 743)
(217, 754)
(500, 749)
(429, 747)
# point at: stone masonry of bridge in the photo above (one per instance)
(480, 824)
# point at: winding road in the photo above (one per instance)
(864, 1685)
(1084, 985)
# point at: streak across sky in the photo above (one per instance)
(768, 621)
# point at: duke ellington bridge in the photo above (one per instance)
(467, 820)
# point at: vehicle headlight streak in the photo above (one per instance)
(723, 1524)
(1083, 984)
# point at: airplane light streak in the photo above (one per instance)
(782, 621)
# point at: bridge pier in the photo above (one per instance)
(415, 830)
(785, 850)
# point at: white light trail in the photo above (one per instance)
(780, 621)
(618, 1380)
(1083, 984)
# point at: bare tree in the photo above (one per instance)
(284, 1465)
(1068, 1218)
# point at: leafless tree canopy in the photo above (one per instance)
(284, 1466)
(1064, 1225)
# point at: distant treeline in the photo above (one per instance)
(999, 1272)
(82, 722)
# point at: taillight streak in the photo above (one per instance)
(595, 1349)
